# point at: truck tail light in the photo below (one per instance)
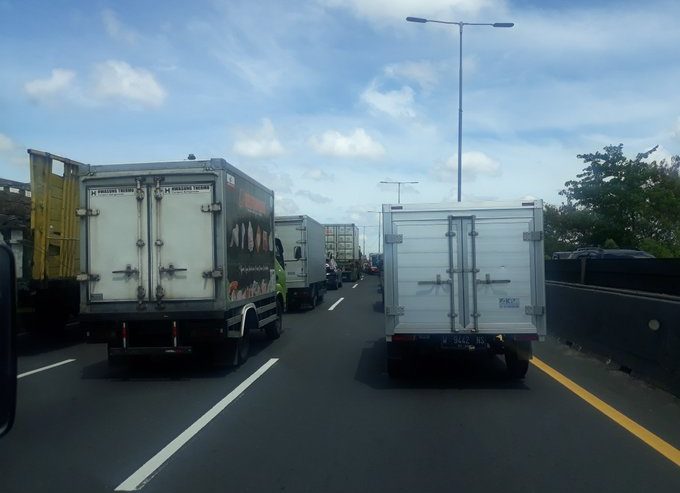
(125, 334)
(174, 333)
(403, 338)
(525, 337)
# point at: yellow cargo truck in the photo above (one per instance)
(52, 289)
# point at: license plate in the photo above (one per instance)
(463, 341)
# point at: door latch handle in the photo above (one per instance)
(437, 281)
(487, 280)
(170, 270)
(129, 271)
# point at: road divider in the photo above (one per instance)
(145, 473)
(355, 285)
(48, 367)
(335, 304)
(658, 444)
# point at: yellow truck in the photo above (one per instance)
(49, 294)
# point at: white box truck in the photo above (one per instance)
(303, 241)
(464, 277)
(177, 258)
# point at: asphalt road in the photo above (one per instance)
(325, 417)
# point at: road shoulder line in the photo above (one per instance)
(335, 304)
(657, 443)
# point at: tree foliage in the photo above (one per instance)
(632, 203)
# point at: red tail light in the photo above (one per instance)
(403, 337)
(174, 333)
(125, 334)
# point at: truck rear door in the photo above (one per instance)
(182, 242)
(117, 243)
(293, 235)
(454, 272)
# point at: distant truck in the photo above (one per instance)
(178, 258)
(464, 277)
(303, 241)
(342, 245)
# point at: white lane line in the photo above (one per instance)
(48, 367)
(335, 304)
(146, 473)
(355, 285)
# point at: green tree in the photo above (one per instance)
(633, 203)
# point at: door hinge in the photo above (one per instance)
(532, 235)
(216, 207)
(394, 311)
(536, 310)
(213, 274)
(392, 238)
(87, 212)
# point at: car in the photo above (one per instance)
(601, 253)
(333, 275)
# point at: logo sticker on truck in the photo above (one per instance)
(508, 302)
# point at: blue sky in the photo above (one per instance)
(322, 99)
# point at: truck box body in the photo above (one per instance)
(188, 244)
(459, 275)
(306, 275)
(342, 242)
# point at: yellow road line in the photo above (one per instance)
(661, 446)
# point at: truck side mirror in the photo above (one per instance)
(298, 253)
(8, 357)
(279, 252)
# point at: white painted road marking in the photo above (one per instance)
(48, 367)
(145, 473)
(335, 304)
(355, 285)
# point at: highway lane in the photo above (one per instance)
(326, 417)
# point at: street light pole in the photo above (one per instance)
(460, 25)
(399, 184)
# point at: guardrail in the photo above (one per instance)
(636, 329)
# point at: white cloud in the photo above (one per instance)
(661, 154)
(314, 197)
(115, 79)
(319, 175)
(422, 72)
(6, 143)
(285, 206)
(356, 144)
(475, 164)
(397, 104)
(60, 81)
(116, 29)
(398, 10)
(260, 144)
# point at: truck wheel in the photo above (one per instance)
(274, 329)
(517, 368)
(313, 301)
(243, 348)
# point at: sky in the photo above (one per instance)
(320, 100)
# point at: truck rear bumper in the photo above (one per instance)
(146, 351)
(413, 344)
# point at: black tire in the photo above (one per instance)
(274, 329)
(241, 348)
(313, 301)
(516, 368)
(395, 368)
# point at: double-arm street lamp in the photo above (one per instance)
(460, 79)
(399, 184)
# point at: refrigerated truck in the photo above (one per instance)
(177, 258)
(303, 241)
(464, 277)
(342, 244)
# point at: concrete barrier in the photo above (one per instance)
(639, 331)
